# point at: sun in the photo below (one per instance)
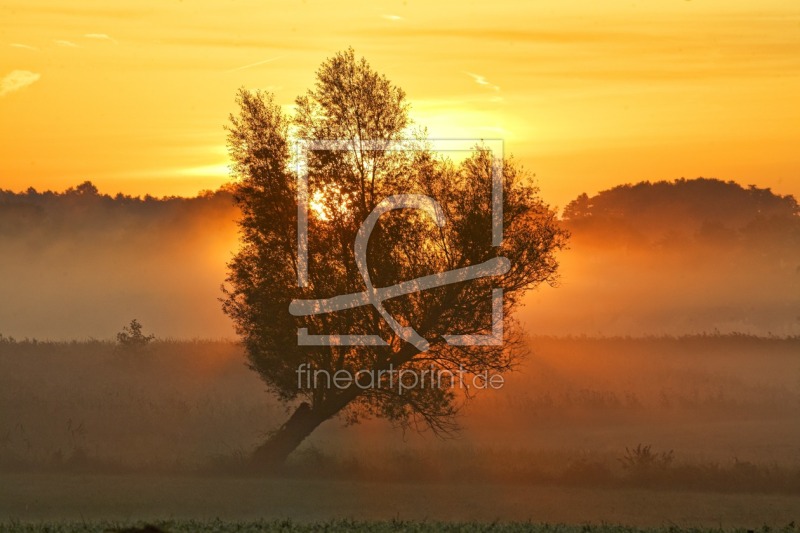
(318, 206)
(329, 203)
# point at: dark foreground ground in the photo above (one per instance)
(197, 526)
(47, 498)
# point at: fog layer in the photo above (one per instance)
(690, 256)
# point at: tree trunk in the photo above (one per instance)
(273, 453)
(281, 443)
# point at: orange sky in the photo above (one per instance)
(133, 94)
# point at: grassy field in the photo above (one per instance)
(50, 498)
(690, 431)
(288, 526)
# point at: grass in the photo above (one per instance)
(636, 467)
(727, 405)
(603, 413)
(332, 526)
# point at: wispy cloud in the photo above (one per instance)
(480, 80)
(66, 44)
(24, 46)
(16, 80)
(394, 18)
(100, 37)
(257, 63)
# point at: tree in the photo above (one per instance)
(131, 336)
(353, 103)
(579, 208)
(681, 211)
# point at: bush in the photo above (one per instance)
(643, 464)
(131, 336)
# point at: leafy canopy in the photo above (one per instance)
(351, 102)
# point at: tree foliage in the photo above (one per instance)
(352, 102)
(703, 210)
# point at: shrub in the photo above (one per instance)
(131, 336)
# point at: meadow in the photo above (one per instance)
(696, 431)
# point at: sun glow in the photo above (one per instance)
(318, 207)
(329, 203)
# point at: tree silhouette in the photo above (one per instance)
(132, 337)
(702, 209)
(353, 103)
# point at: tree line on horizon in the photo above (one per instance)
(685, 211)
(700, 210)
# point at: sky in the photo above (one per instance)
(133, 94)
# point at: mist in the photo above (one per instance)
(672, 258)
(80, 265)
(693, 256)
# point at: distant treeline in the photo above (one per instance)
(648, 212)
(698, 210)
(652, 258)
(83, 209)
(87, 191)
